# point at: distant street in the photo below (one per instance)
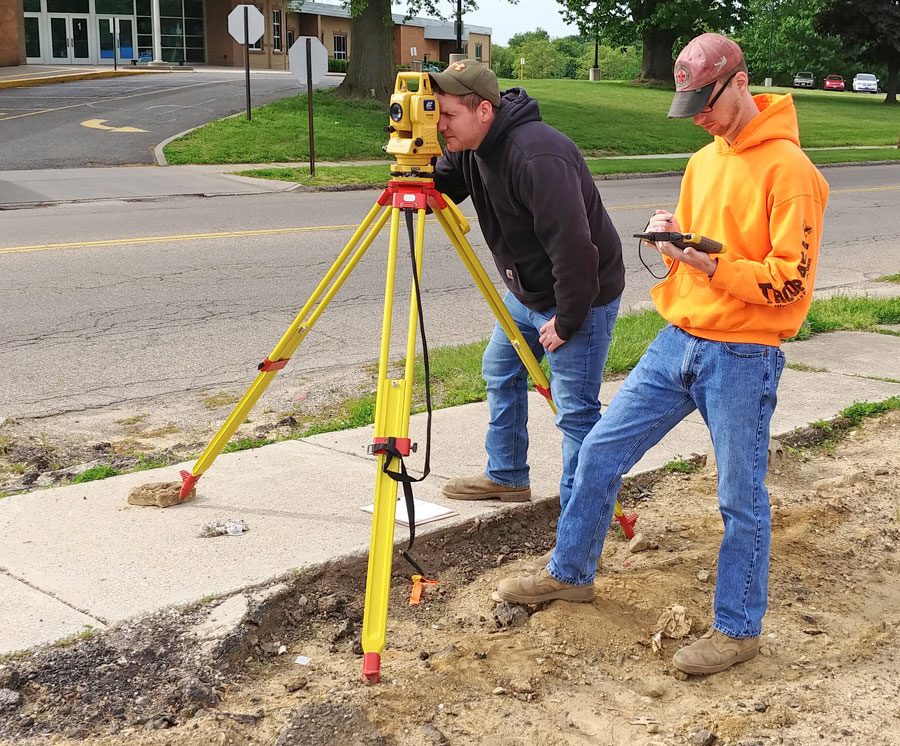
(69, 125)
(155, 298)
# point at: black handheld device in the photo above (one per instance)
(683, 240)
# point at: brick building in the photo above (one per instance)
(195, 32)
(12, 33)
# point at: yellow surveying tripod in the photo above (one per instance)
(414, 142)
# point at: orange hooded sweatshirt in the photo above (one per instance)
(765, 200)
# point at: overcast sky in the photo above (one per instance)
(507, 20)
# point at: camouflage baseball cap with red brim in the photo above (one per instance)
(706, 59)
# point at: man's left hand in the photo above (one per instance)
(549, 338)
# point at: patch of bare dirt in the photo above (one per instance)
(50, 451)
(568, 674)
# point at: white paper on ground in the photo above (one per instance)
(425, 512)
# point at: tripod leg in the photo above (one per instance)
(292, 338)
(392, 408)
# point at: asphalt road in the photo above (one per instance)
(172, 299)
(44, 126)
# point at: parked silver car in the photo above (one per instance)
(804, 80)
(865, 83)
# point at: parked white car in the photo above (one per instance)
(865, 83)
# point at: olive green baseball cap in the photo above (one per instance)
(468, 76)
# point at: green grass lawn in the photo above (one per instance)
(603, 118)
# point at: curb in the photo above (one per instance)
(29, 82)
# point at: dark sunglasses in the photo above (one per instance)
(708, 108)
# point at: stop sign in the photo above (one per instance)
(256, 24)
(318, 59)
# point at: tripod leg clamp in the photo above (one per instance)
(389, 445)
(268, 365)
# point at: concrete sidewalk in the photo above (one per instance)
(80, 555)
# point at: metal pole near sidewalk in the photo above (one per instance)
(309, 106)
(247, 58)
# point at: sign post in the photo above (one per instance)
(246, 25)
(309, 63)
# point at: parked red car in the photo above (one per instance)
(834, 83)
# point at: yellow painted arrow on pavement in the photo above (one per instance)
(97, 124)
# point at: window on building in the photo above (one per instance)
(478, 52)
(276, 31)
(465, 48)
(290, 38)
(340, 46)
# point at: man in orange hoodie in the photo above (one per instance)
(754, 190)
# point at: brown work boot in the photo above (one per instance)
(482, 488)
(715, 652)
(540, 587)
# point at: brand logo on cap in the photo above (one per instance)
(720, 64)
(459, 66)
(682, 77)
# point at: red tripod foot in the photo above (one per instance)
(371, 667)
(187, 484)
(627, 523)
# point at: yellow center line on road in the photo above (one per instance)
(163, 239)
(306, 229)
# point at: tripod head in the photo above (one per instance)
(413, 129)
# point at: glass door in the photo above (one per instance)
(116, 37)
(59, 39)
(69, 41)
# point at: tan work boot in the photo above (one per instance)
(482, 488)
(539, 563)
(714, 652)
(540, 587)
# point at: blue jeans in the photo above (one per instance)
(733, 385)
(576, 371)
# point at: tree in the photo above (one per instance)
(796, 42)
(870, 31)
(542, 59)
(372, 69)
(657, 24)
(517, 40)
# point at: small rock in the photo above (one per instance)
(498, 690)
(159, 494)
(656, 689)
(701, 737)
(160, 722)
(230, 527)
(9, 699)
(510, 615)
(434, 735)
(9, 678)
(640, 543)
(194, 690)
(521, 686)
(703, 576)
(296, 683)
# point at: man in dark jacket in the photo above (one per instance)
(558, 253)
